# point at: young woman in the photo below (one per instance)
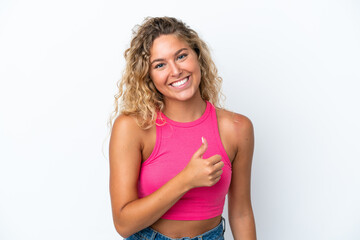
(174, 154)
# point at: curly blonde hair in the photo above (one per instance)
(137, 95)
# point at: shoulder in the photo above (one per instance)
(234, 122)
(236, 127)
(233, 119)
(125, 128)
(125, 123)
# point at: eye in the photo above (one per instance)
(160, 65)
(182, 56)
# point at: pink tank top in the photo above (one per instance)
(176, 142)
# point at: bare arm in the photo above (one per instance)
(241, 215)
(131, 214)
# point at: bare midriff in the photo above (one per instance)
(180, 229)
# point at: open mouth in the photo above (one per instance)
(180, 83)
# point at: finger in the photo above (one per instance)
(217, 179)
(219, 165)
(200, 152)
(214, 159)
(216, 168)
(218, 173)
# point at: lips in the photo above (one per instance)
(180, 82)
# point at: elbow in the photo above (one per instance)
(126, 225)
(122, 230)
(122, 226)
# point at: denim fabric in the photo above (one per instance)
(148, 233)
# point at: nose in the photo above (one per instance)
(175, 69)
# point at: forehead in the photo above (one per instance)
(166, 45)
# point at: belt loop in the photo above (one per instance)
(224, 224)
(153, 236)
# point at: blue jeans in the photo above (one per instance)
(148, 233)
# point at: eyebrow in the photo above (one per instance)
(162, 59)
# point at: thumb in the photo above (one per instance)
(200, 152)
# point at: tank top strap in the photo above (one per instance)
(215, 127)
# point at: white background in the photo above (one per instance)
(291, 66)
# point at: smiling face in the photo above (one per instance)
(174, 68)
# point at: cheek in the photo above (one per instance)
(158, 79)
(197, 70)
(195, 66)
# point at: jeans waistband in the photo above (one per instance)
(148, 233)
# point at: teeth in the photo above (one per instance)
(179, 83)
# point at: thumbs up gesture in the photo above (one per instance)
(202, 172)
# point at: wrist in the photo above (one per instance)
(184, 180)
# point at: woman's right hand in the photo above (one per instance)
(202, 172)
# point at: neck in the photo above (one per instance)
(185, 111)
